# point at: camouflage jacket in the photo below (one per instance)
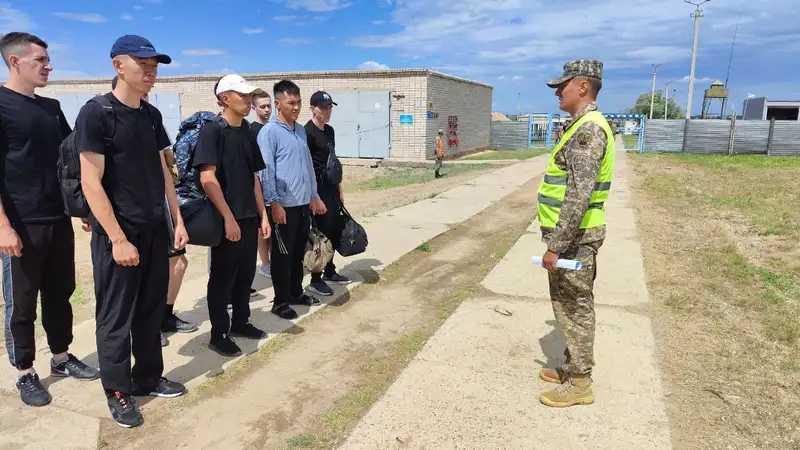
(580, 157)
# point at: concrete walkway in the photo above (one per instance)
(475, 384)
(77, 406)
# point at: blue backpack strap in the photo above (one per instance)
(111, 122)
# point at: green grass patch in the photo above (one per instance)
(734, 162)
(402, 176)
(631, 141)
(78, 296)
(424, 247)
(506, 154)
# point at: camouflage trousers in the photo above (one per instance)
(572, 296)
(438, 164)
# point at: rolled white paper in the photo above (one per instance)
(569, 264)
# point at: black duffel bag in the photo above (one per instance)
(354, 237)
(203, 222)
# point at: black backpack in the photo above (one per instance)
(69, 162)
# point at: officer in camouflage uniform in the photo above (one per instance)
(572, 214)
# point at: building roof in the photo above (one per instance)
(387, 73)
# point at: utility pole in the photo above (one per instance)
(698, 13)
(518, 105)
(666, 99)
(653, 93)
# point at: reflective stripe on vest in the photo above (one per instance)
(554, 185)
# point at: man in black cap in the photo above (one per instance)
(124, 179)
(322, 143)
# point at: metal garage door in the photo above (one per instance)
(361, 121)
(168, 103)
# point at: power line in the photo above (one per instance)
(698, 13)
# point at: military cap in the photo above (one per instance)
(589, 68)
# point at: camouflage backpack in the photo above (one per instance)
(188, 185)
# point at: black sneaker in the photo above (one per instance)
(247, 330)
(163, 388)
(73, 367)
(253, 292)
(176, 325)
(124, 411)
(31, 390)
(164, 341)
(306, 300)
(336, 278)
(320, 287)
(224, 345)
(284, 311)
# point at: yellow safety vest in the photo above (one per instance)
(554, 185)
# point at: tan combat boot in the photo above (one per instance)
(556, 375)
(574, 391)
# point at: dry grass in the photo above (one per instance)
(719, 236)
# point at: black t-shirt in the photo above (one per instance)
(320, 143)
(31, 130)
(255, 127)
(133, 177)
(236, 154)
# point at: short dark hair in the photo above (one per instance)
(11, 42)
(595, 85)
(114, 82)
(258, 94)
(285, 87)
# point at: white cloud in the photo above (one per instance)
(481, 39)
(696, 80)
(158, 18)
(378, 22)
(372, 65)
(285, 18)
(138, 7)
(14, 20)
(246, 30)
(219, 71)
(173, 65)
(126, 16)
(153, 1)
(296, 41)
(318, 5)
(205, 52)
(88, 17)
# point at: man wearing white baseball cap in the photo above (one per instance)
(229, 160)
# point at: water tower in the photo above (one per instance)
(716, 91)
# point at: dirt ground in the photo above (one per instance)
(719, 237)
(307, 389)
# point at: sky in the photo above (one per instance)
(513, 45)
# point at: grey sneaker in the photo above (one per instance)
(73, 367)
(31, 390)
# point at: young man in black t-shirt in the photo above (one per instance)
(262, 105)
(229, 160)
(124, 182)
(36, 238)
(322, 142)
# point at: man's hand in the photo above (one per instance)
(266, 230)
(125, 254)
(549, 260)
(232, 231)
(341, 196)
(278, 214)
(10, 243)
(85, 225)
(181, 237)
(318, 207)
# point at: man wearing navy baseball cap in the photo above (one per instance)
(124, 179)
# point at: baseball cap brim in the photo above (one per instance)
(160, 57)
(558, 81)
(326, 103)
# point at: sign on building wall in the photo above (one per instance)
(406, 119)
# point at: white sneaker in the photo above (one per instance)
(264, 270)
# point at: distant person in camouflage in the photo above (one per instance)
(439, 150)
(571, 210)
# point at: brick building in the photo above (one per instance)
(381, 114)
